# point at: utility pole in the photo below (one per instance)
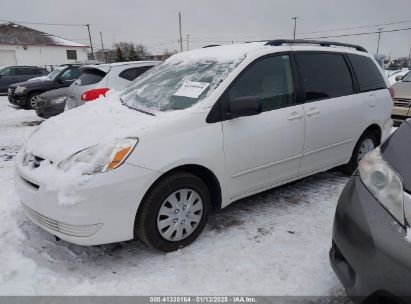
(91, 43)
(409, 58)
(102, 48)
(188, 37)
(379, 38)
(179, 26)
(295, 25)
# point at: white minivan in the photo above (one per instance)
(199, 131)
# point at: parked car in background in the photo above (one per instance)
(203, 129)
(402, 99)
(371, 247)
(15, 74)
(96, 80)
(25, 94)
(395, 76)
(51, 103)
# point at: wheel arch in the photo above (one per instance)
(205, 174)
(376, 130)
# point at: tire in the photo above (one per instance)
(155, 212)
(359, 152)
(32, 100)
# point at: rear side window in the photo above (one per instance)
(133, 73)
(23, 71)
(90, 76)
(367, 73)
(324, 75)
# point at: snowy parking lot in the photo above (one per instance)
(274, 243)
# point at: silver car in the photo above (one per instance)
(96, 80)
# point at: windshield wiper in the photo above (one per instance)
(136, 109)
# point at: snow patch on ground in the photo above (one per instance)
(274, 243)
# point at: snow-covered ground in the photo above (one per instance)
(274, 243)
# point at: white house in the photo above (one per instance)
(21, 45)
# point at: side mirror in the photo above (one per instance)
(398, 77)
(244, 106)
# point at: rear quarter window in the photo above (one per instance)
(368, 75)
(133, 73)
(90, 76)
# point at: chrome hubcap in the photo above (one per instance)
(33, 101)
(366, 146)
(179, 215)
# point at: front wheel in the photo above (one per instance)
(32, 100)
(174, 212)
(366, 143)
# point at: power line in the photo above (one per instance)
(361, 34)
(357, 27)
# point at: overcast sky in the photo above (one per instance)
(155, 23)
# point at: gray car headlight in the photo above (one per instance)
(58, 100)
(384, 183)
(20, 89)
(100, 158)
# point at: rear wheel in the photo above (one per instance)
(32, 100)
(367, 142)
(174, 212)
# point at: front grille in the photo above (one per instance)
(63, 228)
(401, 102)
(11, 91)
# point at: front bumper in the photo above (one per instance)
(400, 112)
(46, 110)
(105, 211)
(370, 253)
(17, 99)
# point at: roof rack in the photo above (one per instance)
(280, 42)
(211, 45)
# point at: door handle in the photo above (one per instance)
(295, 116)
(313, 111)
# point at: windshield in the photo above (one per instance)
(177, 85)
(54, 73)
(407, 77)
(5, 72)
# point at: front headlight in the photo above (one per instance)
(58, 100)
(100, 158)
(20, 89)
(384, 183)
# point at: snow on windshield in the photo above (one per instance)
(185, 79)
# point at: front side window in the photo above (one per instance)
(177, 83)
(367, 73)
(324, 75)
(269, 79)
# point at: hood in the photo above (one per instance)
(54, 93)
(97, 122)
(397, 150)
(32, 84)
(402, 90)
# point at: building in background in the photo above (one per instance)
(21, 45)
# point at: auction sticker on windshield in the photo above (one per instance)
(191, 89)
